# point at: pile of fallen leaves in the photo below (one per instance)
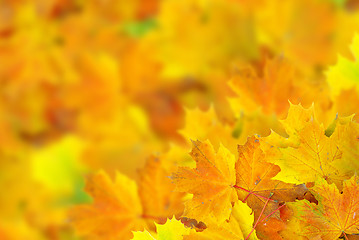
(302, 186)
(179, 119)
(297, 182)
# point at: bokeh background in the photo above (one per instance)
(102, 84)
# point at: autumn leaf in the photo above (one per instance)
(335, 215)
(292, 224)
(116, 209)
(301, 33)
(343, 81)
(203, 125)
(242, 216)
(184, 54)
(269, 91)
(270, 229)
(341, 106)
(346, 134)
(211, 183)
(104, 150)
(239, 226)
(151, 200)
(296, 119)
(344, 75)
(336, 123)
(254, 179)
(88, 85)
(156, 191)
(314, 157)
(172, 230)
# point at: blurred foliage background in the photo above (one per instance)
(103, 84)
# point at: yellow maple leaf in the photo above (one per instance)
(302, 31)
(345, 74)
(313, 158)
(296, 119)
(311, 150)
(343, 82)
(172, 230)
(346, 134)
(211, 183)
(238, 226)
(104, 150)
(184, 53)
(203, 125)
(292, 227)
(336, 213)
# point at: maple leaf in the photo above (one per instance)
(292, 224)
(296, 119)
(152, 200)
(184, 54)
(104, 149)
(311, 153)
(335, 215)
(269, 92)
(346, 135)
(310, 150)
(116, 209)
(343, 80)
(254, 179)
(341, 106)
(237, 227)
(344, 75)
(300, 32)
(156, 191)
(211, 183)
(172, 230)
(270, 228)
(203, 125)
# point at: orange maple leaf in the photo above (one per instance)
(115, 211)
(156, 192)
(269, 91)
(211, 183)
(121, 206)
(254, 179)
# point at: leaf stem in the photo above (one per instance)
(260, 215)
(250, 192)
